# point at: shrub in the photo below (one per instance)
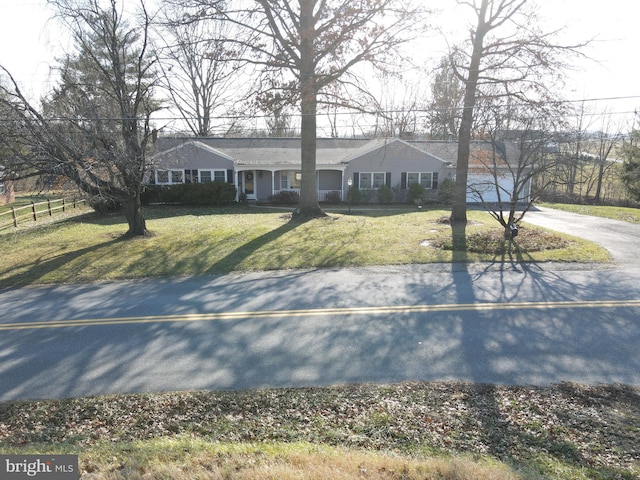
(333, 197)
(213, 194)
(385, 194)
(103, 205)
(285, 197)
(416, 193)
(354, 195)
(367, 195)
(446, 192)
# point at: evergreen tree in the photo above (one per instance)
(631, 166)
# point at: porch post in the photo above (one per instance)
(235, 181)
(342, 186)
(273, 182)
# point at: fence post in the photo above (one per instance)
(33, 209)
(49, 206)
(15, 218)
(63, 205)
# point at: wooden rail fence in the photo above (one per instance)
(36, 210)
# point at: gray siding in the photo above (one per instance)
(191, 156)
(396, 158)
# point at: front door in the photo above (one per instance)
(248, 183)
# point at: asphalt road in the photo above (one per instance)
(496, 323)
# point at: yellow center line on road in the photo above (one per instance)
(344, 311)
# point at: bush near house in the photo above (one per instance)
(416, 194)
(385, 194)
(446, 191)
(333, 197)
(354, 196)
(212, 194)
(285, 197)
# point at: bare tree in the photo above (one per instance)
(522, 149)
(201, 70)
(399, 109)
(313, 44)
(95, 126)
(608, 137)
(277, 106)
(507, 48)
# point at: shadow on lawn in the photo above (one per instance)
(231, 261)
(39, 269)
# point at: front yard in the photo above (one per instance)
(203, 241)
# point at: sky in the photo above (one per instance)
(29, 43)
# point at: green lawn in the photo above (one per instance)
(625, 214)
(201, 241)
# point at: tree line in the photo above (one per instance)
(219, 62)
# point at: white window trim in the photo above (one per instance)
(294, 177)
(213, 174)
(384, 179)
(169, 176)
(420, 174)
(171, 182)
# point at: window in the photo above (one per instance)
(296, 180)
(162, 176)
(219, 175)
(168, 177)
(191, 176)
(369, 181)
(412, 178)
(177, 176)
(427, 179)
(3, 189)
(206, 176)
(290, 180)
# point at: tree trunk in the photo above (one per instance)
(459, 211)
(133, 212)
(309, 207)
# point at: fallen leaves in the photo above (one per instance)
(590, 426)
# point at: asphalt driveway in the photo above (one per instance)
(621, 239)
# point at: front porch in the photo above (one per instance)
(264, 183)
(323, 195)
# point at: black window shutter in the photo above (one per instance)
(435, 180)
(403, 181)
(388, 179)
(229, 176)
(356, 179)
